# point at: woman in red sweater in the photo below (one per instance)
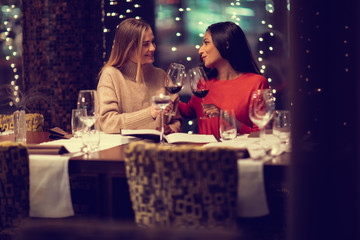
(233, 75)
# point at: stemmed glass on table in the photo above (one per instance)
(174, 80)
(87, 101)
(199, 84)
(161, 101)
(261, 109)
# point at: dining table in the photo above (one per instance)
(99, 186)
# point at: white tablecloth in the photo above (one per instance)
(50, 189)
(49, 177)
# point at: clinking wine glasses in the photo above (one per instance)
(199, 84)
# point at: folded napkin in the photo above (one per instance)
(58, 133)
(49, 186)
(251, 189)
(46, 149)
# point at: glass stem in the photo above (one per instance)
(204, 116)
(162, 127)
(262, 136)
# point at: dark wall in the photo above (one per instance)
(62, 53)
(325, 85)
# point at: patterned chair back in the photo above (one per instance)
(182, 185)
(14, 184)
(34, 122)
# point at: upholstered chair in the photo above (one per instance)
(185, 186)
(14, 187)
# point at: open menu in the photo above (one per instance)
(170, 138)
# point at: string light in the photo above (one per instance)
(11, 14)
(178, 18)
(270, 8)
(119, 12)
(234, 16)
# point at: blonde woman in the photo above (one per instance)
(129, 80)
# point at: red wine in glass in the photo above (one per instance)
(200, 93)
(175, 77)
(174, 81)
(173, 89)
(199, 84)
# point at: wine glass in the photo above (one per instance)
(282, 125)
(174, 81)
(261, 109)
(227, 124)
(161, 101)
(199, 84)
(87, 101)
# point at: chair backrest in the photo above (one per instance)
(94, 229)
(14, 184)
(34, 122)
(182, 186)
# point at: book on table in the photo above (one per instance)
(170, 138)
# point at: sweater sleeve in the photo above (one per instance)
(111, 120)
(188, 109)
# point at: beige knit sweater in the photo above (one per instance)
(125, 104)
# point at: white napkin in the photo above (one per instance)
(251, 190)
(49, 186)
(49, 177)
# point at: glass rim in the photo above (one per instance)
(178, 65)
(88, 90)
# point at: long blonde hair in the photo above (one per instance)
(129, 37)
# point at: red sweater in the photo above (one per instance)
(226, 94)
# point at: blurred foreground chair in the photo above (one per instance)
(34, 122)
(14, 187)
(100, 229)
(183, 186)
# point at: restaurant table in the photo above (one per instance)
(99, 187)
